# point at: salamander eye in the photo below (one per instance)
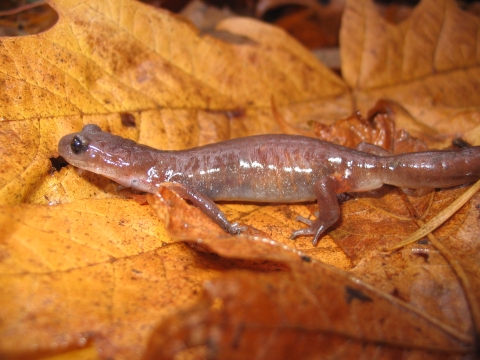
(79, 144)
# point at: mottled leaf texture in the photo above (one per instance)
(429, 62)
(311, 311)
(88, 269)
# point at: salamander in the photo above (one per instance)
(271, 168)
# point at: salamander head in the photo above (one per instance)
(100, 152)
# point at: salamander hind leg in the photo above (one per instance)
(329, 211)
(208, 207)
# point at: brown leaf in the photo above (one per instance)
(183, 223)
(391, 216)
(377, 129)
(422, 273)
(265, 326)
(314, 24)
(417, 62)
(270, 315)
(26, 19)
(105, 268)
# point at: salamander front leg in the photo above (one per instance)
(206, 205)
(329, 211)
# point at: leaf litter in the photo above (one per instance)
(185, 93)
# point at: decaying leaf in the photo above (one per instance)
(434, 261)
(295, 312)
(25, 19)
(440, 218)
(379, 128)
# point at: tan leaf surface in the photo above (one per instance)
(82, 262)
(429, 62)
(101, 270)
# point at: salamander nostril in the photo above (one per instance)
(78, 144)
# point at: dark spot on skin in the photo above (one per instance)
(58, 163)
(306, 258)
(352, 294)
(79, 144)
(128, 120)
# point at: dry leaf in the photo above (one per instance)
(378, 129)
(99, 270)
(392, 215)
(105, 268)
(314, 24)
(246, 314)
(422, 273)
(26, 19)
(286, 316)
(418, 62)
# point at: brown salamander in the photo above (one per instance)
(265, 168)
